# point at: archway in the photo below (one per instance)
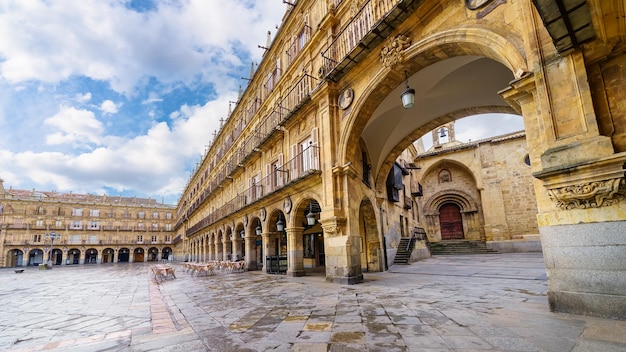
(57, 256)
(166, 254)
(450, 222)
(372, 258)
(73, 256)
(153, 254)
(91, 256)
(107, 255)
(35, 257)
(15, 257)
(138, 255)
(123, 255)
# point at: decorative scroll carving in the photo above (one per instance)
(334, 226)
(589, 195)
(392, 52)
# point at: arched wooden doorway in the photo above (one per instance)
(451, 222)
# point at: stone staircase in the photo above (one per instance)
(405, 248)
(457, 247)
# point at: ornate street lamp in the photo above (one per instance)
(52, 236)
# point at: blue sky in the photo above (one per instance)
(122, 96)
(118, 96)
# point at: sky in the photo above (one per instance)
(121, 97)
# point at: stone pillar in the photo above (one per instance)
(295, 251)
(343, 253)
(64, 259)
(268, 248)
(250, 243)
(580, 189)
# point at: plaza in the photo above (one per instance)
(444, 303)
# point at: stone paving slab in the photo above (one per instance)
(446, 303)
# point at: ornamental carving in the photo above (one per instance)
(392, 52)
(589, 195)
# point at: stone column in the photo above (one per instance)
(250, 243)
(295, 251)
(268, 248)
(343, 253)
(579, 188)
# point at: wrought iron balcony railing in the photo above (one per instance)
(303, 164)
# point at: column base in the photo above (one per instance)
(296, 273)
(346, 280)
(586, 268)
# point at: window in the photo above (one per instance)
(94, 213)
(154, 239)
(168, 216)
(168, 238)
(39, 223)
(155, 215)
(40, 211)
(77, 212)
(139, 239)
(111, 214)
(93, 239)
(168, 227)
(394, 183)
(75, 239)
(94, 225)
(76, 225)
(141, 215)
(36, 238)
(140, 226)
(58, 223)
(155, 226)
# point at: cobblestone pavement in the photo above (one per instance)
(456, 303)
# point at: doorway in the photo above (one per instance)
(451, 222)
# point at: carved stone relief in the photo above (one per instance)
(392, 52)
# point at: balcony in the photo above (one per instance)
(374, 22)
(270, 124)
(302, 165)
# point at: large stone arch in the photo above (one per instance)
(497, 44)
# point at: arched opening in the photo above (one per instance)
(35, 256)
(254, 256)
(91, 256)
(166, 254)
(123, 256)
(57, 256)
(313, 250)
(276, 258)
(138, 255)
(450, 222)
(370, 246)
(107, 255)
(153, 254)
(15, 258)
(73, 256)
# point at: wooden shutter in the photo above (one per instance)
(315, 150)
(293, 168)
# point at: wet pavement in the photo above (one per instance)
(445, 303)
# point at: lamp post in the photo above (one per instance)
(52, 236)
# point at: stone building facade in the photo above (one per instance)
(345, 87)
(479, 191)
(82, 229)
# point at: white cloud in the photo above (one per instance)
(109, 107)
(74, 126)
(50, 41)
(83, 98)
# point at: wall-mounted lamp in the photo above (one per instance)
(258, 230)
(243, 234)
(231, 236)
(280, 225)
(310, 217)
(408, 96)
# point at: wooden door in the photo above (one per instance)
(451, 222)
